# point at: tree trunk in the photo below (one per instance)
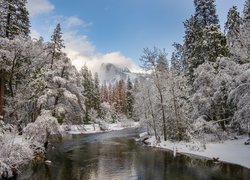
(153, 116)
(1, 95)
(7, 30)
(163, 116)
(177, 115)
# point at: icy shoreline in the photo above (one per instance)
(230, 151)
(95, 128)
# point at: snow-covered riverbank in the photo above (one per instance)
(231, 151)
(96, 128)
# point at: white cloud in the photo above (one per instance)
(81, 51)
(77, 45)
(73, 21)
(36, 7)
(78, 48)
(34, 34)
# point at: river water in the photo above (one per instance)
(116, 156)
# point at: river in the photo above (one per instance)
(116, 156)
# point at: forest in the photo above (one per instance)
(202, 92)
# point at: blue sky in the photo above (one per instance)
(116, 30)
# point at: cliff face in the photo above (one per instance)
(111, 73)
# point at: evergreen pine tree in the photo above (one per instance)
(246, 10)
(232, 31)
(246, 29)
(88, 86)
(96, 95)
(192, 34)
(205, 13)
(177, 60)
(14, 18)
(130, 98)
(162, 62)
(56, 43)
(215, 44)
(196, 34)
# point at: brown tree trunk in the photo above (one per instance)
(1, 95)
(163, 117)
(177, 115)
(153, 116)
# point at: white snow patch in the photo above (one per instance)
(96, 128)
(231, 151)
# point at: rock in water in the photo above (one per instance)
(247, 142)
(48, 162)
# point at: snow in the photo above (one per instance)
(230, 151)
(96, 128)
(15, 150)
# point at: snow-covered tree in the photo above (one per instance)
(88, 92)
(245, 31)
(155, 61)
(233, 33)
(14, 21)
(14, 18)
(178, 62)
(56, 43)
(96, 95)
(214, 44)
(129, 98)
(145, 107)
(190, 40)
(197, 35)
(205, 13)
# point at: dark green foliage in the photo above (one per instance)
(178, 62)
(14, 18)
(88, 93)
(246, 10)
(56, 43)
(232, 31)
(130, 98)
(215, 44)
(91, 93)
(96, 97)
(203, 40)
(205, 13)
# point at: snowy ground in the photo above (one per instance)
(95, 128)
(231, 151)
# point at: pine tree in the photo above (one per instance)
(246, 29)
(205, 13)
(192, 35)
(14, 18)
(177, 60)
(246, 10)
(196, 34)
(130, 98)
(88, 93)
(162, 62)
(215, 44)
(96, 95)
(56, 44)
(232, 31)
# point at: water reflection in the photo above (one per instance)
(116, 156)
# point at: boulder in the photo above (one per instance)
(247, 142)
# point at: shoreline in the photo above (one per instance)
(95, 128)
(229, 151)
(24, 150)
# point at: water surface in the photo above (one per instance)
(116, 156)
